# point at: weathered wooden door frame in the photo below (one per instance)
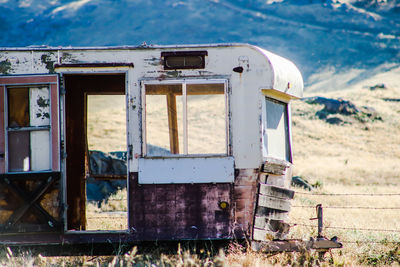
(76, 72)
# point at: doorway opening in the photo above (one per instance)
(96, 143)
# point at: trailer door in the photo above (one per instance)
(30, 184)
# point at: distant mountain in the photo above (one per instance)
(315, 34)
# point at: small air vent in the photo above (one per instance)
(184, 60)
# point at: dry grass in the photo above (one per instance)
(359, 156)
(111, 214)
(356, 157)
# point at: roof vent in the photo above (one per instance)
(184, 60)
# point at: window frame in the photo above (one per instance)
(185, 82)
(288, 135)
(32, 81)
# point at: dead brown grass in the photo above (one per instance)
(356, 157)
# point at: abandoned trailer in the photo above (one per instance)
(206, 152)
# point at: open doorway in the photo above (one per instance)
(96, 163)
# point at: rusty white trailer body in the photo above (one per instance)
(235, 188)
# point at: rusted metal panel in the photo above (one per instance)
(245, 195)
(179, 211)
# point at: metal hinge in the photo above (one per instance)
(62, 86)
(62, 150)
(130, 152)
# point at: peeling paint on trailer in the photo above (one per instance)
(5, 67)
(241, 202)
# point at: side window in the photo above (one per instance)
(185, 118)
(28, 129)
(277, 130)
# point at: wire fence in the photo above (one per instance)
(350, 207)
(349, 228)
(324, 207)
(384, 241)
(348, 194)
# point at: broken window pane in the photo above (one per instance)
(164, 119)
(28, 148)
(39, 106)
(40, 150)
(18, 107)
(18, 148)
(203, 131)
(206, 119)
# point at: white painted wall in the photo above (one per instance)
(261, 70)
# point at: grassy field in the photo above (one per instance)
(358, 156)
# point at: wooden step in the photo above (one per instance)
(276, 191)
(267, 234)
(274, 203)
(272, 214)
(261, 222)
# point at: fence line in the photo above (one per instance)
(349, 228)
(347, 194)
(369, 242)
(350, 207)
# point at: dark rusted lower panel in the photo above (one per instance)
(179, 211)
(245, 198)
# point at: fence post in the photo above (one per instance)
(320, 220)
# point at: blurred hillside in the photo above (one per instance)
(323, 37)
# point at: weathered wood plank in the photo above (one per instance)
(275, 166)
(173, 124)
(274, 169)
(293, 245)
(277, 180)
(274, 203)
(176, 89)
(267, 235)
(279, 246)
(272, 213)
(276, 191)
(270, 224)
